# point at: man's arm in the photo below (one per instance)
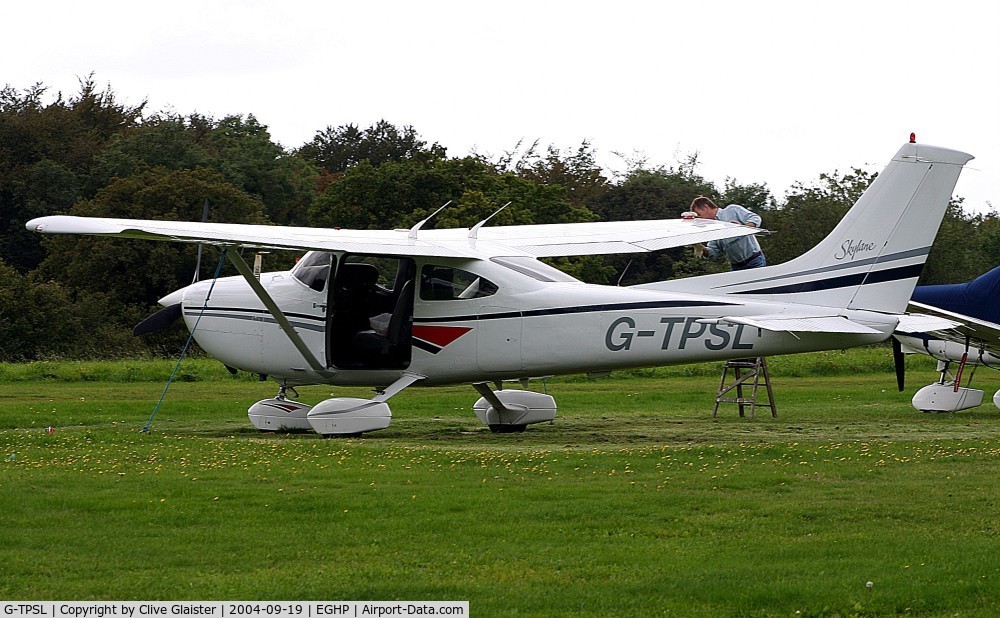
(745, 216)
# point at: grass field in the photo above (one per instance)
(634, 502)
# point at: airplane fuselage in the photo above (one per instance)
(515, 324)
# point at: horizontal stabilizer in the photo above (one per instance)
(923, 323)
(803, 324)
(963, 326)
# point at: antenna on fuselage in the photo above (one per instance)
(474, 231)
(420, 224)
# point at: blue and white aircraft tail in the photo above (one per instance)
(872, 259)
(973, 338)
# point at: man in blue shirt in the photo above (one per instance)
(743, 252)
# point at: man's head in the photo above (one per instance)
(704, 207)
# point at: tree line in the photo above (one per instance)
(88, 154)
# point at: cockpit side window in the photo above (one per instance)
(447, 283)
(313, 269)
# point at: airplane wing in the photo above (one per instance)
(551, 240)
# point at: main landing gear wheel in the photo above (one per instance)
(498, 428)
(511, 411)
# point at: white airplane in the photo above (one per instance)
(973, 337)
(392, 309)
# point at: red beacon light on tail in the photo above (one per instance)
(913, 138)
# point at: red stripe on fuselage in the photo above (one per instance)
(439, 335)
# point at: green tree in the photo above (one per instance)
(810, 212)
(959, 252)
(43, 319)
(398, 194)
(164, 141)
(136, 274)
(754, 196)
(659, 193)
(579, 173)
(47, 152)
(245, 155)
(336, 150)
(988, 245)
(29, 327)
(965, 246)
(238, 148)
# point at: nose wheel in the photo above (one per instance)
(280, 413)
(283, 393)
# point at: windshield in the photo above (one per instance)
(313, 269)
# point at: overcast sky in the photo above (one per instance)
(767, 92)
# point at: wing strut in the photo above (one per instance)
(961, 365)
(484, 389)
(276, 313)
(405, 380)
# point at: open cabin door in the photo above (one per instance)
(370, 316)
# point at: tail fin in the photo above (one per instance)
(872, 259)
(979, 298)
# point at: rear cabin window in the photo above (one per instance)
(534, 269)
(447, 283)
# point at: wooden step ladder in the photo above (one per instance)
(755, 369)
